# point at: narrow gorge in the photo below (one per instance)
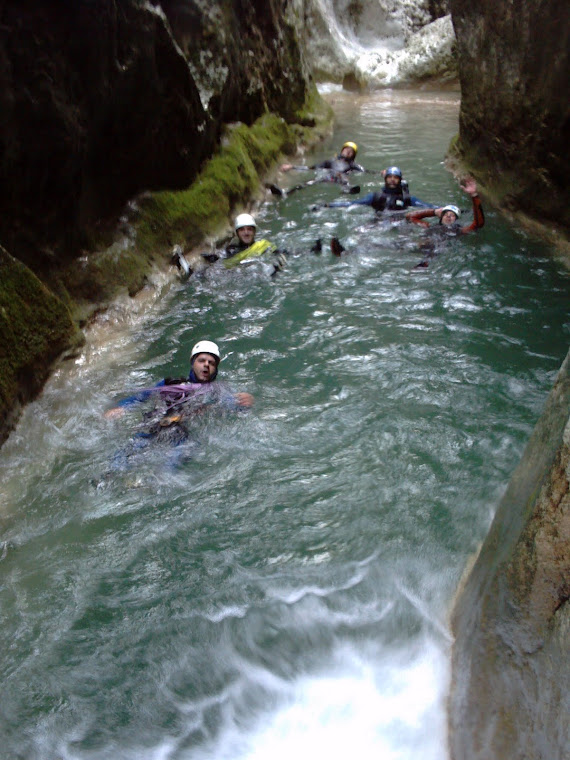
(130, 126)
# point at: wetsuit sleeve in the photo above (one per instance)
(138, 397)
(478, 216)
(417, 202)
(417, 217)
(366, 200)
(227, 399)
(328, 164)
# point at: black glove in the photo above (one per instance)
(210, 257)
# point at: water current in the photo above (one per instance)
(284, 593)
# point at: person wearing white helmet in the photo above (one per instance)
(449, 225)
(188, 394)
(245, 248)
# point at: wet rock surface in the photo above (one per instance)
(514, 68)
(104, 100)
(511, 623)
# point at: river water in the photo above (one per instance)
(284, 592)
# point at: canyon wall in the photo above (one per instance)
(514, 131)
(511, 664)
(512, 620)
(100, 101)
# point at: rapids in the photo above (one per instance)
(284, 592)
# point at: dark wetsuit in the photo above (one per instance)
(388, 199)
(417, 217)
(438, 234)
(330, 170)
(336, 165)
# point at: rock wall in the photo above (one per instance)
(101, 100)
(514, 69)
(35, 327)
(370, 45)
(511, 658)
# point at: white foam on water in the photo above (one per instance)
(391, 708)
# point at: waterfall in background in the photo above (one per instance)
(378, 43)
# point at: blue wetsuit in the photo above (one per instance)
(181, 399)
(389, 199)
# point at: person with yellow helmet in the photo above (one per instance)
(331, 170)
(344, 162)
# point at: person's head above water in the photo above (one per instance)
(204, 360)
(449, 215)
(349, 151)
(245, 228)
(393, 176)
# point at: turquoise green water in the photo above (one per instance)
(285, 592)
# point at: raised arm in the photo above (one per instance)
(470, 187)
(417, 217)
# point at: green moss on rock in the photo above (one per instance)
(35, 328)
(231, 177)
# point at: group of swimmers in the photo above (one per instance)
(392, 201)
(181, 399)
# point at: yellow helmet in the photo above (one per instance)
(352, 145)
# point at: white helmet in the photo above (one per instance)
(245, 220)
(451, 207)
(206, 347)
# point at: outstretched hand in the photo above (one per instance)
(244, 399)
(469, 186)
(114, 413)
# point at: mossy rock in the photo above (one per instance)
(35, 328)
(230, 178)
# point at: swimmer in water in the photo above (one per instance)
(244, 248)
(178, 400)
(437, 235)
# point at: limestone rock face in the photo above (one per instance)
(511, 660)
(97, 104)
(379, 44)
(101, 100)
(243, 56)
(514, 69)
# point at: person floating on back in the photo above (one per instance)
(331, 170)
(449, 226)
(176, 401)
(245, 248)
(394, 196)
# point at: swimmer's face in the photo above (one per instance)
(204, 366)
(392, 180)
(246, 234)
(348, 153)
(448, 217)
